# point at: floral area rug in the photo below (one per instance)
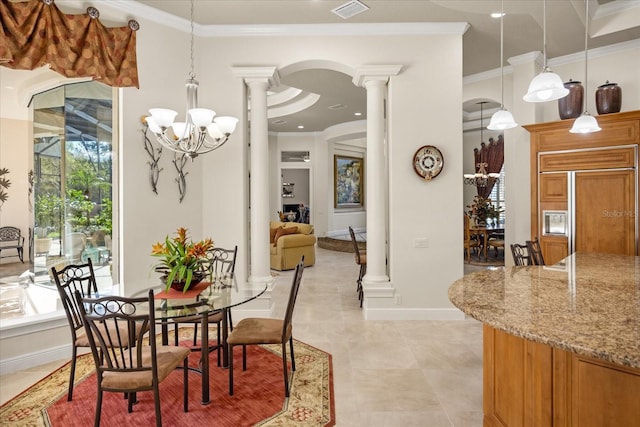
(258, 399)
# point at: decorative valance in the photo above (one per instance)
(493, 156)
(35, 33)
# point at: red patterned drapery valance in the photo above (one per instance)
(35, 33)
(493, 156)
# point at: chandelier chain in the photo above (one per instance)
(544, 32)
(192, 74)
(586, 39)
(502, 54)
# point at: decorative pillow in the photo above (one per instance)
(283, 232)
(272, 233)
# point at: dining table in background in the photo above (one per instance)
(203, 299)
(486, 231)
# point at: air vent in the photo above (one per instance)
(278, 122)
(350, 9)
(337, 107)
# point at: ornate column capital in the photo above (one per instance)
(264, 74)
(369, 73)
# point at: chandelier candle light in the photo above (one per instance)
(481, 178)
(201, 133)
(546, 86)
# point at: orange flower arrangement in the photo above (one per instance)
(181, 258)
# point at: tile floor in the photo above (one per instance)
(386, 373)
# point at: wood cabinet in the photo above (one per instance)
(529, 384)
(593, 178)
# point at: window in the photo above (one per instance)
(73, 178)
(497, 197)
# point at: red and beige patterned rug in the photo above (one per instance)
(258, 395)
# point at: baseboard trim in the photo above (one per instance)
(30, 360)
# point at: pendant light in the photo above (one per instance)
(200, 133)
(502, 119)
(546, 86)
(586, 123)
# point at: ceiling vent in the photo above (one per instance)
(337, 107)
(278, 122)
(350, 9)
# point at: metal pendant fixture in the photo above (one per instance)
(546, 86)
(586, 123)
(481, 178)
(200, 133)
(502, 119)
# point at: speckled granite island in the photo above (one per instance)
(561, 342)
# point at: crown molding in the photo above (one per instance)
(134, 8)
(561, 60)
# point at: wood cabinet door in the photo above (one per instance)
(605, 212)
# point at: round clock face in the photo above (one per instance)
(428, 162)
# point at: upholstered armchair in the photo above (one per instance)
(289, 242)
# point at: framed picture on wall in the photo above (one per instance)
(348, 179)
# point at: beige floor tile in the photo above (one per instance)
(386, 373)
(393, 390)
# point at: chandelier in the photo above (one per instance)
(481, 178)
(200, 133)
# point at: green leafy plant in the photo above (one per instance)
(481, 208)
(4, 185)
(181, 259)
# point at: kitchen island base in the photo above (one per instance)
(527, 383)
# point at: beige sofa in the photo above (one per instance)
(290, 243)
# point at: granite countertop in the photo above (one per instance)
(588, 304)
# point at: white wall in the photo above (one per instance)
(424, 108)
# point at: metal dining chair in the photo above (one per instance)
(361, 260)
(75, 278)
(535, 252)
(252, 331)
(520, 254)
(144, 365)
(222, 262)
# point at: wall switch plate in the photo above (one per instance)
(420, 242)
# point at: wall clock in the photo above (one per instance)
(428, 162)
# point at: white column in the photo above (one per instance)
(258, 80)
(374, 78)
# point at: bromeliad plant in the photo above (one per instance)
(182, 260)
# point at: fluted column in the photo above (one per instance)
(374, 79)
(258, 80)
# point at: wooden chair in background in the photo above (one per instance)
(469, 242)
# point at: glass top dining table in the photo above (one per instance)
(213, 295)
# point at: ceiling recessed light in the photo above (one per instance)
(497, 14)
(357, 114)
(300, 127)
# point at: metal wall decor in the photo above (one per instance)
(179, 161)
(155, 152)
(154, 156)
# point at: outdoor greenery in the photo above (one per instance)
(4, 185)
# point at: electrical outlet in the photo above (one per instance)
(398, 300)
(420, 242)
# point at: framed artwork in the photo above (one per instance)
(348, 179)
